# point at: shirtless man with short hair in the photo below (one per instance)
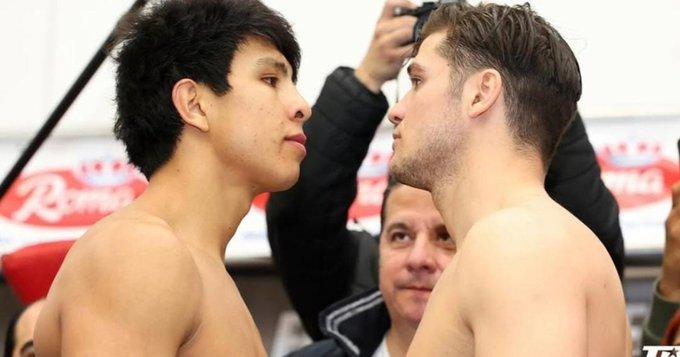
(209, 112)
(494, 88)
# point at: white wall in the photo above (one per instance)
(629, 54)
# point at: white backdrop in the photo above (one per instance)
(629, 54)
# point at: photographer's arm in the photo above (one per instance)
(574, 181)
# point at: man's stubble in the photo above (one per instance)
(437, 158)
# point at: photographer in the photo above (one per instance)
(322, 262)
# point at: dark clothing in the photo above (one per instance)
(353, 327)
(321, 261)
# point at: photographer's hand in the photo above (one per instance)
(391, 44)
(669, 284)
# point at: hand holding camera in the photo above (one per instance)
(390, 46)
(398, 28)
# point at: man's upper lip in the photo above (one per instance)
(396, 135)
(300, 138)
(418, 287)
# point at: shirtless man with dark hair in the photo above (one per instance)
(209, 112)
(494, 88)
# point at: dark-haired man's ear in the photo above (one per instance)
(185, 97)
(484, 90)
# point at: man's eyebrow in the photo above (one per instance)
(271, 62)
(25, 347)
(395, 225)
(413, 68)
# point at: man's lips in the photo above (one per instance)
(418, 288)
(298, 138)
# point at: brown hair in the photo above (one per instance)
(541, 77)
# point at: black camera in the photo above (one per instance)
(423, 13)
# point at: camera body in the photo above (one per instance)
(423, 13)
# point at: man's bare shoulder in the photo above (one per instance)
(129, 278)
(128, 237)
(540, 234)
(523, 270)
(543, 251)
(517, 231)
(128, 256)
(518, 245)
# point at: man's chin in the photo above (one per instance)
(407, 175)
(415, 314)
(281, 181)
(416, 301)
(396, 169)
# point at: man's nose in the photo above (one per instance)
(299, 109)
(396, 114)
(421, 256)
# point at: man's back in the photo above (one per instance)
(132, 286)
(528, 280)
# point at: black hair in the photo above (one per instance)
(392, 183)
(177, 39)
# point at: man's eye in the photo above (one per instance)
(399, 237)
(446, 241)
(445, 237)
(415, 82)
(271, 81)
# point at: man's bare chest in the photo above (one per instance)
(226, 326)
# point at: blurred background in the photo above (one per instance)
(629, 55)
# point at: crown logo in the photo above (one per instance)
(632, 154)
(105, 172)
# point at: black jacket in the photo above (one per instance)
(352, 327)
(321, 261)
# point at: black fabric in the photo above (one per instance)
(574, 181)
(362, 322)
(321, 261)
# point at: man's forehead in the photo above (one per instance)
(431, 43)
(261, 52)
(414, 218)
(429, 57)
(28, 318)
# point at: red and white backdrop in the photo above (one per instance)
(72, 183)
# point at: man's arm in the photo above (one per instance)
(122, 298)
(574, 168)
(666, 299)
(315, 253)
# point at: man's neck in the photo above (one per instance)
(399, 337)
(487, 181)
(200, 200)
